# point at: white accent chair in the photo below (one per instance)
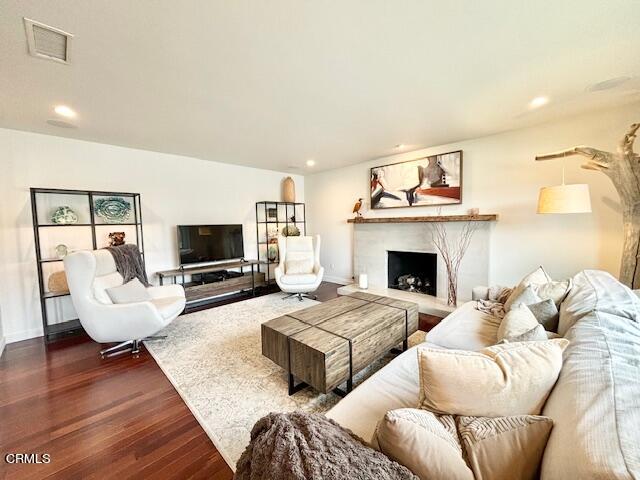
(299, 272)
(89, 274)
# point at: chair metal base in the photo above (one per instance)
(300, 296)
(131, 346)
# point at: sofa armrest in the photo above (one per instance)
(480, 293)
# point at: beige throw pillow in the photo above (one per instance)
(516, 322)
(504, 448)
(424, 442)
(502, 380)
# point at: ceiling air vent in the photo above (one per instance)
(47, 42)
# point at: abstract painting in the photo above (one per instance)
(433, 180)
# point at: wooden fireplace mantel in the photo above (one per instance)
(432, 218)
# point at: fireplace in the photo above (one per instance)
(412, 271)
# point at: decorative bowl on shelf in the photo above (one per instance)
(291, 231)
(113, 209)
(64, 216)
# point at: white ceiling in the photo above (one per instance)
(273, 83)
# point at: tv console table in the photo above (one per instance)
(196, 292)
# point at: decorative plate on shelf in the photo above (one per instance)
(64, 216)
(113, 209)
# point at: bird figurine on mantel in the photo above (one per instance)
(357, 207)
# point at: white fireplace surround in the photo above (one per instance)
(372, 241)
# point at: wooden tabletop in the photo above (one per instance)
(326, 344)
(209, 268)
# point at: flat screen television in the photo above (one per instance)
(209, 243)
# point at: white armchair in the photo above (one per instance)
(89, 274)
(299, 272)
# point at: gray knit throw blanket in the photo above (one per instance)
(304, 446)
(129, 263)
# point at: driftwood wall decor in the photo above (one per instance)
(623, 168)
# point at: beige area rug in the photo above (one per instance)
(213, 358)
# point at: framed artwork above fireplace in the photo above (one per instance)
(433, 180)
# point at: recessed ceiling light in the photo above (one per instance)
(64, 111)
(608, 84)
(400, 146)
(60, 123)
(538, 102)
(311, 163)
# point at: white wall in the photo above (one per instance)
(175, 190)
(499, 176)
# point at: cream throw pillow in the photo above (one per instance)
(504, 448)
(544, 309)
(131, 292)
(536, 334)
(298, 267)
(517, 321)
(502, 380)
(537, 277)
(424, 442)
(556, 291)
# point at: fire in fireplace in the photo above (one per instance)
(412, 271)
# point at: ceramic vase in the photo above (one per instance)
(288, 190)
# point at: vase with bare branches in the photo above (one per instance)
(452, 252)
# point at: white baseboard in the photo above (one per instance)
(2, 345)
(23, 335)
(340, 280)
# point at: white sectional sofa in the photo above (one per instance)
(595, 404)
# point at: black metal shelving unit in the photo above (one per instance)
(41, 223)
(269, 226)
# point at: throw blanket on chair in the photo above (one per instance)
(302, 446)
(129, 263)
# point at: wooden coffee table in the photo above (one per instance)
(326, 345)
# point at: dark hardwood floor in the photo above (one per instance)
(113, 418)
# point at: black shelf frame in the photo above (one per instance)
(289, 211)
(69, 326)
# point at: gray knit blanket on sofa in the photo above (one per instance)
(303, 446)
